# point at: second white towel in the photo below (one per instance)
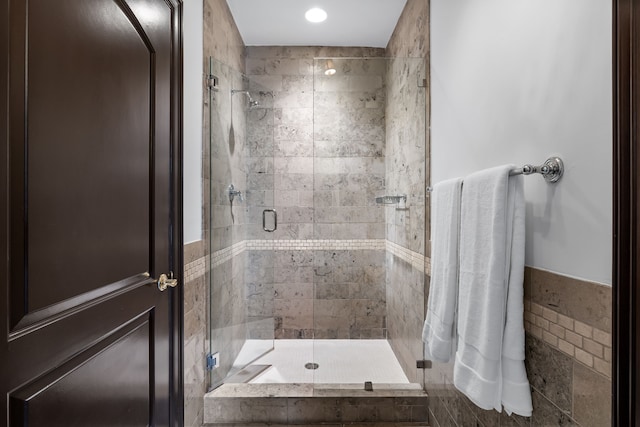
(489, 364)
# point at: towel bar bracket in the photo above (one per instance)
(552, 169)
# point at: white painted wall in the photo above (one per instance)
(192, 187)
(515, 82)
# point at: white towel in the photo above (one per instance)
(438, 332)
(489, 364)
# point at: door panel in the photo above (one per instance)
(109, 142)
(124, 357)
(89, 142)
(80, 146)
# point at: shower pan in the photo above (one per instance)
(308, 272)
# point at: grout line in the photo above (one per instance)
(569, 414)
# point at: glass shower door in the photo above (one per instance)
(238, 195)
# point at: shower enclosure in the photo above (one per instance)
(308, 259)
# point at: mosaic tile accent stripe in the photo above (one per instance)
(194, 270)
(224, 255)
(586, 344)
(316, 245)
(416, 259)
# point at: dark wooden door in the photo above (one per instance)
(89, 134)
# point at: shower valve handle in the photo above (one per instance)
(234, 193)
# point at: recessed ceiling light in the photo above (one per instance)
(315, 15)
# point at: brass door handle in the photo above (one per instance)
(165, 281)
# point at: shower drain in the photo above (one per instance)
(311, 365)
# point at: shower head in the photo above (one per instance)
(252, 102)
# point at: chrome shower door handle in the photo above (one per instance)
(264, 220)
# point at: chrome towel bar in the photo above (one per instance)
(552, 170)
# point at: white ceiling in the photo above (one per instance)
(367, 23)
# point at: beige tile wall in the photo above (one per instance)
(584, 343)
(316, 151)
(194, 333)
(222, 39)
(410, 38)
(406, 138)
(407, 172)
(324, 288)
(316, 155)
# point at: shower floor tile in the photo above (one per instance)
(339, 362)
